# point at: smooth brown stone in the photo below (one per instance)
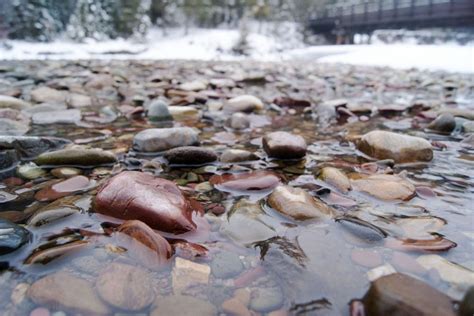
(437, 244)
(126, 287)
(62, 291)
(247, 181)
(284, 145)
(63, 188)
(157, 249)
(400, 295)
(157, 202)
(46, 255)
(385, 187)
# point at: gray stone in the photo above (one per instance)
(57, 117)
(468, 127)
(46, 94)
(45, 107)
(226, 265)
(158, 111)
(238, 121)
(444, 123)
(12, 128)
(161, 139)
(12, 236)
(266, 299)
(13, 103)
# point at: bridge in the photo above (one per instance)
(347, 18)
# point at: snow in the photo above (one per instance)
(216, 44)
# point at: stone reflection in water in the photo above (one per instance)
(192, 188)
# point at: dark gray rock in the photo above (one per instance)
(190, 155)
(12, 236)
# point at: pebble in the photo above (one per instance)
(161, 139)
(283, 145)
(66, 172)
(238, 121)
(57, 117)
(444, 123)
(46, 94)
(126, 287)
(187, 274)
(237, 155)
(12, 236)
(243, 103)
(30, 171)
(13, 103)
(190, 155)
(13, 128)
(400, 148)
(77, 157)
(246, 181)
(158, 111)
(226, 265)
(264, 300)
(385, 187)
(335, 178)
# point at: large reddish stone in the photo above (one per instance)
(157, 202)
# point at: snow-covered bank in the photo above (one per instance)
(217, 44)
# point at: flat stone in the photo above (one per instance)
(46, 94)
(226, 265)
(385, 187)
(298, 204)
(399, 294)
(183, 306)
(243, 103)
(237, 155)
(79, 157)
(61, 290)
(190, 155)
(246, 181)
(335, 178)
(57, 117)
(187, 274)
(161, 139)
(284, 145)
(157, 202)
(400, 148)
(13, 103)
(13, 128)
(126, 287)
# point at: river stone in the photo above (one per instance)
(335, 178)
(13, 128)
(183, 306)
(45, 107)
(148, 247)
(226, 264)
(157, 202)
(64, 188)
(238, 120)
(126, 287)
(190, 155)
(46, 94)
(30, 171)
(8, 159)
(237, 155)
(266, 299)
(158, 111)
(12, 236)
(466, 308)
(62, 290)
(243, 103)
(65, 172)
(187, 274)
(13, 103)
(245, 181)
(51, 214)
(385, 187)
(77, 157)
(72, 116)
(182, 112)
(399, 294)
(77, 100)
(400, 148)
(245, 230)
(444, 123)
(31, 146)
(284, 145)
(298, 204)
(468, 127)
(161, 139)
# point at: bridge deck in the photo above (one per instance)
(368, 16)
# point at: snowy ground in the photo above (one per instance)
(217, 45)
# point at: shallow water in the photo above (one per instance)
(307, 267)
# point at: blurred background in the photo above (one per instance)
(228, 29)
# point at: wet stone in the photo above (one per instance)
(246, 181)
(237, 155)
(187, 274)
(13, 128)
(266, 299)
(30, 171)
(182, 305)
(31, 146)
(61, 290)
(243, 103)
(65, 172)
(76, 157)
(126, 287)
(238, 121)
(444, 123)
(385, 187)
(284, 145)
(190, 155)
(335, 178)
(400, 148)
(158, 111)
(13, 103)
(399, 294)
(157, 202)
(57, 117)
(161, 139)
(46, 94)
(226, 265)
(12, 236)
